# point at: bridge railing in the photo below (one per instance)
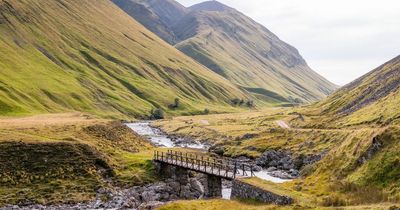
(229, 169)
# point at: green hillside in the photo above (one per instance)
(371, 99)
(57, 56)
(236, 47)
(366, 163)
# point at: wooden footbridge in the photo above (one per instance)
(225, 169)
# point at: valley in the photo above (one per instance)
(91, 91)
(234, 46)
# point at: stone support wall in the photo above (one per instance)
(241, 190)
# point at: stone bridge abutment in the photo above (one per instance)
(209, 185)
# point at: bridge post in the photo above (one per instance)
(235, 170)
(214, 187)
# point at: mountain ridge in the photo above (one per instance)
(245, 52)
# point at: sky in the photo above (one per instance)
(339, 39)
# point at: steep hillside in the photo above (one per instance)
(241, 50)
(169, 10)
(57, 56)
(373, 98)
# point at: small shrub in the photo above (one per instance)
(157, 114)
(176, 104)
(241, 102)
(206, 111)
(250, 103)
(236, 101)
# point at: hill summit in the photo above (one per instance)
(210, 6)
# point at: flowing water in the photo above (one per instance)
(160, 139)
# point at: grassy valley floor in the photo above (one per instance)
(58, 158)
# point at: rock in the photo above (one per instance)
(273, 163)
(165, 196)
(251, 148)
(185, 191)
(242, 159)
(281, 174)
(148, 196)
(294, 172)
(174, 186)
(197, 186)
(130, 203)
(257, 168)
(246, 136)
(151, 205)
(219, 150)
(286, 161)
(173, 197)
(270, 158)
(371, 151)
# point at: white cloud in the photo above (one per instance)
(340, 39)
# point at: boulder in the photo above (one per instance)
(281, 174)
(219, 150)
(286, 161)
(151, 205)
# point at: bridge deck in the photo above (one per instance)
(224, 169)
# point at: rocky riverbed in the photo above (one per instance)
(284, 164)
(141, 197)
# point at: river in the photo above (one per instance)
(160, 139)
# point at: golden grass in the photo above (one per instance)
(248, 205)
(215, 205)
(230, 131)
(128, 155)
